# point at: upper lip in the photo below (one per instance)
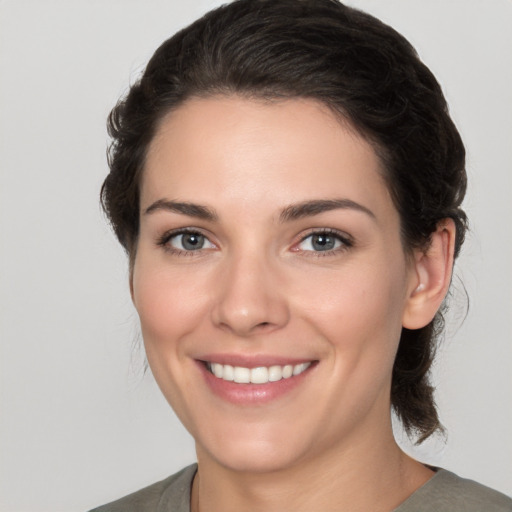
(253, 361)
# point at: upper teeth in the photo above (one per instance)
(260, 375)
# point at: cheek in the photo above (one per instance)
(169, 303)
(357, 309)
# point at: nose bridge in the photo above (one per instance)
(249, 298)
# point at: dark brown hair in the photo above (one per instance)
(365, 72)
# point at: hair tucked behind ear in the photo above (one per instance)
(364, 71)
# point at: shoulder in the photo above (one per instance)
(171, 494)
(447, 492)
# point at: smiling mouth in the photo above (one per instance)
(259, 375)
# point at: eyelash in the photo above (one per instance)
(346, 242)
(163, 241)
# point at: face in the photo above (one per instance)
(270, 280)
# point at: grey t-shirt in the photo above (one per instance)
(444, 492)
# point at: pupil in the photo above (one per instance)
(192, 241)
(323, 242)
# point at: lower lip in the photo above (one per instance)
(252, 394)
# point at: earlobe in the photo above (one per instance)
(431, 277)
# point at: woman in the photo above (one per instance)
(287, 183)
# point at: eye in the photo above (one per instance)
(185, 241)
(323, 241)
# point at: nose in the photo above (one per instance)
(250, 298)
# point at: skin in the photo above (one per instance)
(258, 287)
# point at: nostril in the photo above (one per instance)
(263, 327)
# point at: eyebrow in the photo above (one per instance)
(289, 213)
(185, 208)
(315, 207)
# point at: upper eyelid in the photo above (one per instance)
(164, 238)
(347, 242)
(329, 231)
(163, 241)
(179, 231)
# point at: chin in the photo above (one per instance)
(255, 459)
(255, 450)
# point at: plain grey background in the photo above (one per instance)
(80, 424)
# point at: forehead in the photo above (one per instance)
(251, 150)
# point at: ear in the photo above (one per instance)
(430, 277)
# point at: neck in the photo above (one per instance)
(372, 474)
